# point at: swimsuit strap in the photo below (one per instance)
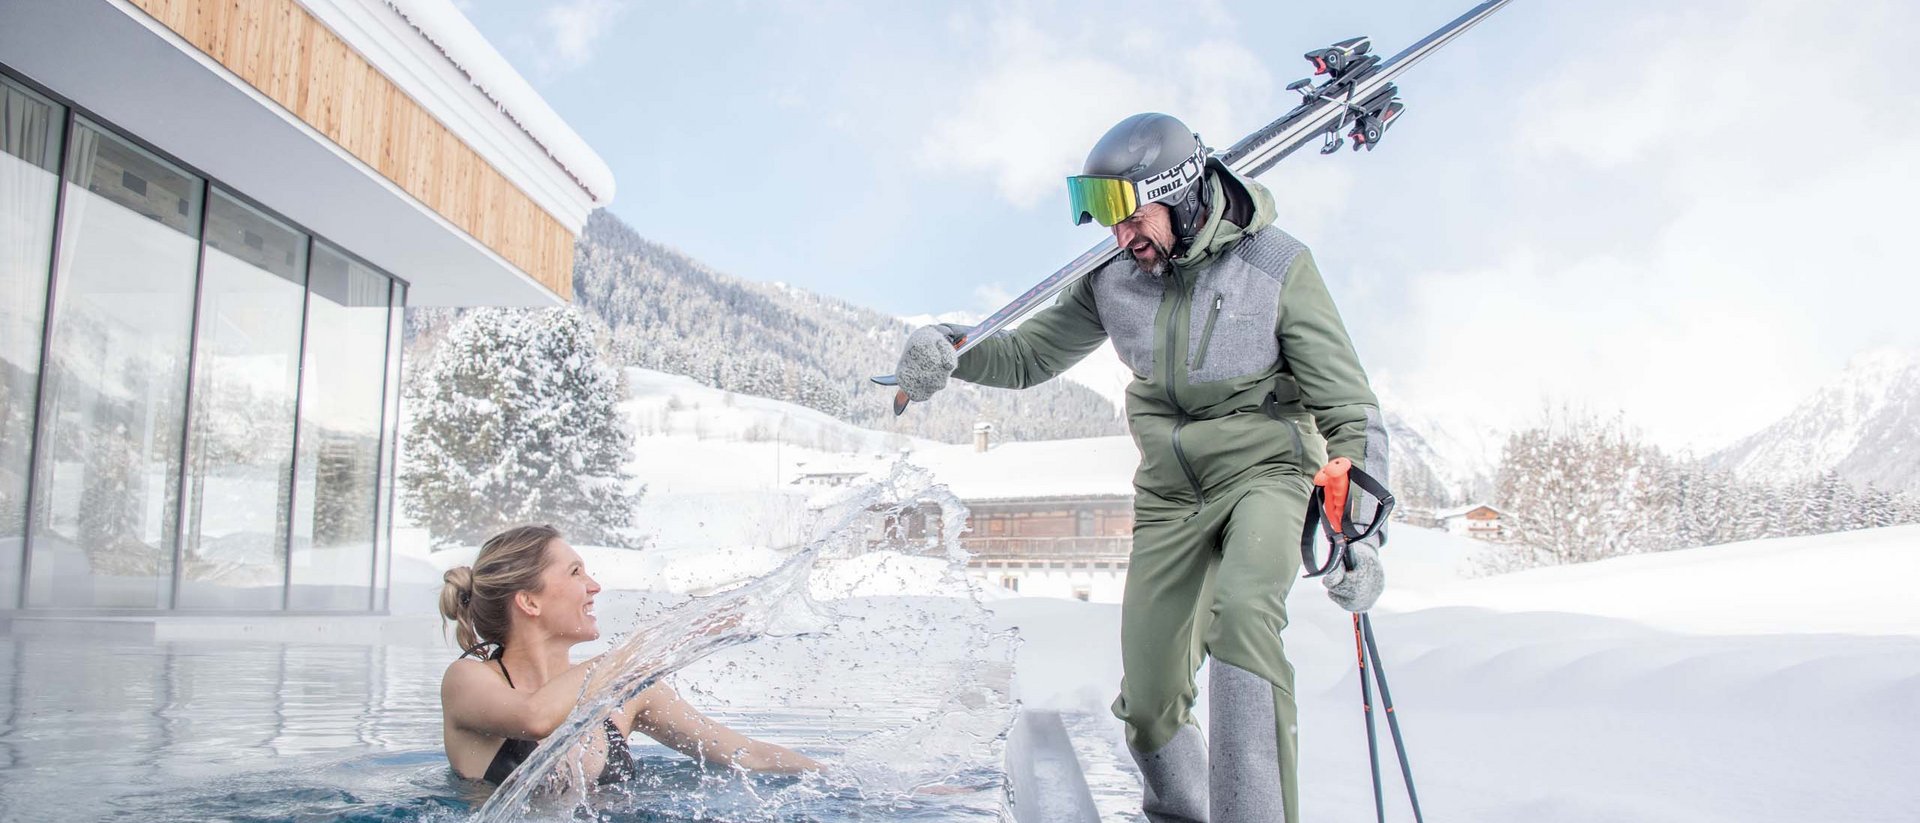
(499, 650)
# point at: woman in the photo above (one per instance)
(520, 607)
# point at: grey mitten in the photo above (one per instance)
(1356, 589)
(926, 362)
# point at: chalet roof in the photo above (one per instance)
(842, 465)
(1045, 469)
(1462, 510)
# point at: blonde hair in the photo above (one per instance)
(476, 598)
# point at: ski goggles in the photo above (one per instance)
(1108, 199)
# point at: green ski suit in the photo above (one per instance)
(1245, 383)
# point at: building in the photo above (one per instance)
(213, 212)
(1050, 518)
(1477, 520)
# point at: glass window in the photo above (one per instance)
(389, 426)
(107, 473)
(338, 464)
(240, 443)
(30, 130)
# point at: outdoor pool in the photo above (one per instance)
(96, 729)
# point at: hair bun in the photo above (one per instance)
(461, 579)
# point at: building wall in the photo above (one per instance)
(1075, 582)
(281, 50)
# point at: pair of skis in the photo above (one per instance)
(1358, 96)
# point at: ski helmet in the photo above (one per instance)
(1146, 158)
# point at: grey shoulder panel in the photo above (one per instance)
(1271, 251)
(1127, 299)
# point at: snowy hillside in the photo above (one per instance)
(1865, 425)
(670, 313)
(1459, 454)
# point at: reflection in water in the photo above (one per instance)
(124, 718)
(904, 695)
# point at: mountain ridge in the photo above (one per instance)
(1863, 424)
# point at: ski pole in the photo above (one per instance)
(1365, 625)
(1366, 709)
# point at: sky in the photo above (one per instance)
(1691, 214)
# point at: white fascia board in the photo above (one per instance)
(394, 47)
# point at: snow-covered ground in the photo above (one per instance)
(1767, 681)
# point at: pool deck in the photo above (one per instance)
(1045, 783)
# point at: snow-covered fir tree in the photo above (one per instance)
(1578, 489)
(514, 421)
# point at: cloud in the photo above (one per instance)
(1045, 90)
(576, 26)
(1727, 258)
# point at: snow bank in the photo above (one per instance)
(1769, 681)
(1853, 582)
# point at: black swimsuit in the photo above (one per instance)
(514, 751)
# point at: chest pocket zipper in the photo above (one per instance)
(1206, 332)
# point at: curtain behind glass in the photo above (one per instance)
(30, 129)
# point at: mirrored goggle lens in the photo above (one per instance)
(1104, 200)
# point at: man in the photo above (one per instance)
(1244, 382)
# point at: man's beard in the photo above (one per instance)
(1162, 260)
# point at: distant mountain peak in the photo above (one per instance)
(1864, 424)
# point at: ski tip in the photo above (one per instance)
(899, 403)
(886, 380)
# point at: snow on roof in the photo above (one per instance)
(455, 36)
(1094, 466)
(843, 464)
(1461, 510)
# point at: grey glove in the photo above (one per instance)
(1356, 590)
(928, 360)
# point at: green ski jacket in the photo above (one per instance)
(1233, 352)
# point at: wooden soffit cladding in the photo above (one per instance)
(281, 50)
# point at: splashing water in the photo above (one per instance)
(918, 680)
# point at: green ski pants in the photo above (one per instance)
(1215, 583)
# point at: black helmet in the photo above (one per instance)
(1161, 156)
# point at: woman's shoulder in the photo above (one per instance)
(468, 671)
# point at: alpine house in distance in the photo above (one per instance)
(214, 212)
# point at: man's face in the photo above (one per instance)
(1148, 236)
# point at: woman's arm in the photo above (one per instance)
(477, 700)
(663, 715)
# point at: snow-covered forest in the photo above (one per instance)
(1577, 488)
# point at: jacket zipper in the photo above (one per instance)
(1206, 334)
(1180, 419)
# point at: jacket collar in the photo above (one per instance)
(1231, 198)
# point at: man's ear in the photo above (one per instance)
(527, 603)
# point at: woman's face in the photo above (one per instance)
(566, 595)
